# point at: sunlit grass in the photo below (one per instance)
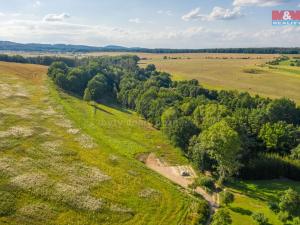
(254, 196)
(226, 71)
(67, 164)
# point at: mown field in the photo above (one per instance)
(254, 197)
(231, 71)
(63, 161)
(221, 71)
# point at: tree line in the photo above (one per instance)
(43, 60)
(229, 133)
(63, 48)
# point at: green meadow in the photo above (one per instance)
(63, 161)
(254, 197)
(66, 161)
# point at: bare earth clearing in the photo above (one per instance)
(173, 173)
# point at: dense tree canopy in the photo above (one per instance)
(279, 136)
(98, 88)
(221, 143)
(218, 130)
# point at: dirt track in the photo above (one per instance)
(173, 173)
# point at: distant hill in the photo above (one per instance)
(35, 47)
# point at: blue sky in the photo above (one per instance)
(144, 23)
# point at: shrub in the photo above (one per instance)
(290, 202)
(206, 182)
(283, 216)
(198, 213)
(260, 218)
(295, 153)
(252, 71)
(296, 221)
(274, 207)
(7, 203)
(226, 197)
(221, 217)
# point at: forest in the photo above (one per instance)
(229, 133)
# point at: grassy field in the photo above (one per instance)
(63, 161)
(223, 71)
(253, 197)
(231, 71)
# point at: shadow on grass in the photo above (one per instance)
(240, 210)
(110, 102)
(100, 109)
(263, 190)
(117, 106)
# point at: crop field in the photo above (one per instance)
(243, 72)
(63, 161)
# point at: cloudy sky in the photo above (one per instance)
(144, 23)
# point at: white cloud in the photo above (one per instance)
(2, 14)
(135, 20)
(36, 4)
(165, 12)
(194, 14)
(56, 17)
(261, 3)
(191, 37)
(218, 13)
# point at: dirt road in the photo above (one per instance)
(173, 173)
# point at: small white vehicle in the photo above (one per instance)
(185, 173)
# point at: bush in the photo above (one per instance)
(206, 182)
(283, 216)
(221, 217)
(226, 197)
(252, 71)
(295, 153)
(199, 213)
(7, 203)
(260, 218)
(296, 221)
(290, 202)
(274, 207)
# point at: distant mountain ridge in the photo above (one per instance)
(63, 48)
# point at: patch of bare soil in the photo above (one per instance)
(174, 173)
